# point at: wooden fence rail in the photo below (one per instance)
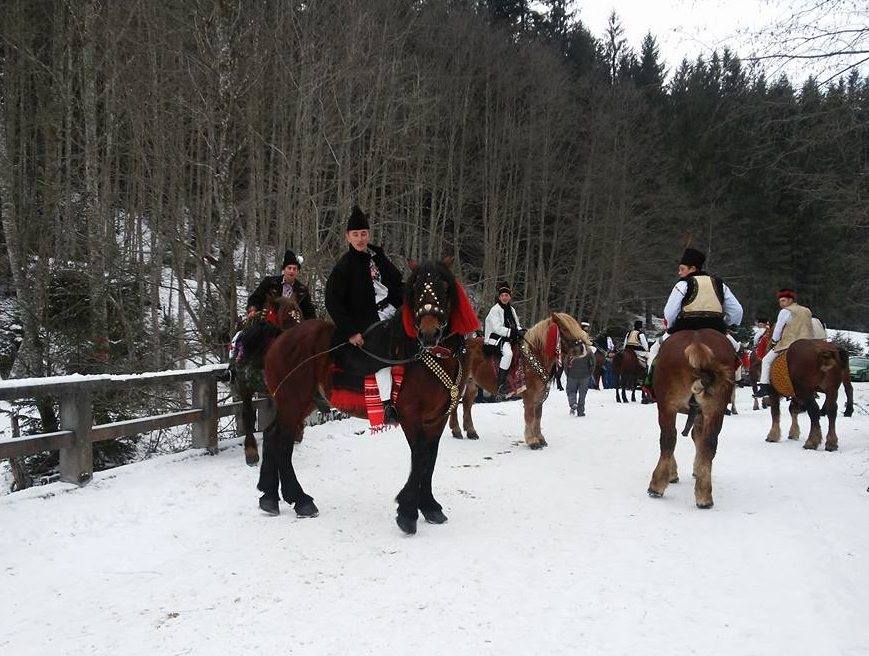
(78, 433)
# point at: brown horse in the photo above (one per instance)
(597, 372)
(539, 360)
(694, 375)
(814, 365)
(246, 366)
(627, 370)
(299, 362)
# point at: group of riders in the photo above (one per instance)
(365, 288)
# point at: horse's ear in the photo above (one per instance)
(413, 265)
(448, 260)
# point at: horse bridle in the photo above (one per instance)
(429, 304)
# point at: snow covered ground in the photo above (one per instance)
(553, 552)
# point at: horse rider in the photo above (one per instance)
(698, 300)
(761, 324)
(636, 340)
(289, 284)
(502, 329)
(363, 289)
(794, 322)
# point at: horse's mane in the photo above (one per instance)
(536, 335)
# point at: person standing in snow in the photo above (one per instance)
(578, 369)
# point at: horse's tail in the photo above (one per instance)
(709, 373)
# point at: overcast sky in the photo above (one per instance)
(693, 27)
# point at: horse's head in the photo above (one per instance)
(430, 295)
(573, 337)
(287, 309)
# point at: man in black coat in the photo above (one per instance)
(364, 288)
(289, 285)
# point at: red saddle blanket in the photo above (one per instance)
(359, 396)
(516, 373)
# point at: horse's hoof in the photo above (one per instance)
(706, 505)
(406, 524)
(535, 446)
(831, 447)
(252, 461)
(543, 442)
(675, 479)
(306, 508)
(793, 437)
(810, 447)
(473, 436)
(434, 516)
(654, 494)
(269, 505)
(773, 439)
(848, 413)
(458, 436)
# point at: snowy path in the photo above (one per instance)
(552, 552)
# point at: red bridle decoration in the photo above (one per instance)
(463, 319)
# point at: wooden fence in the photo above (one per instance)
(77, 432)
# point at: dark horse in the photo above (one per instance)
(597, 372)
(694, 375)
(298, 363)
(814, 365)
(627, 370)
(257, 334)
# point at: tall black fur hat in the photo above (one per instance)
(290, 258)
(638, 325)
(693, 257)
(358, 220)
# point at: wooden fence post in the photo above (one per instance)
(205, 429)
(77, 459)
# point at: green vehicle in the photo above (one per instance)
(859, 368)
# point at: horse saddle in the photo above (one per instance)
(516, 373)
(385, 341)
(780, 376)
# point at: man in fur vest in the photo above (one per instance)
(698, 300)
(794, 322)
(289, 284)
(363, 289)
(502, 329)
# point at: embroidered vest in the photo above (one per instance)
(634, 339)
(799, 327)
(705, 297)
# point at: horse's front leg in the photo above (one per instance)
(408, 498)
(467, 415)
(794, 431)
(774, 434)
(531, 433)
(538, 417)
(428, 505)
(454, 424)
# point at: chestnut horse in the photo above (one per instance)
(627, 370)
(539, 361)
(814, 365)
(694, 375)
(299, 362)
(253, 341)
